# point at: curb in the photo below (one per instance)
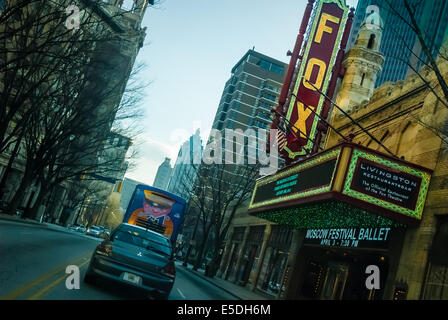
(7, 217)
(50, 226)
(210, 281)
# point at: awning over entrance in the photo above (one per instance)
(345, 186)
(327, 214)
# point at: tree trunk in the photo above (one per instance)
(197, 263)
(214, 263)
(212, 266)
(8, 169)
(202, 246)
(32, 212)
(20, 192)
(80, 210)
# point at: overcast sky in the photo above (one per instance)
(190, 49)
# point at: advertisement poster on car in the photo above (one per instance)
(155, 209)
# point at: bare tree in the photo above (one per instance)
(57, 95)
(219, 191)
(71, 143)
(36, 45)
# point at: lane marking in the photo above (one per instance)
(46, 289)
(17, 292)
(181, 294)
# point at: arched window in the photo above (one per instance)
(371, 42)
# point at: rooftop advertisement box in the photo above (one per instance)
(350, 173)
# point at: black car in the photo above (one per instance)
(137, 257)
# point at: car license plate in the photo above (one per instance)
(132, 278)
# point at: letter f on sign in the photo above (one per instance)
(323, 26)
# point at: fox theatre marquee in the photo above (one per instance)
(317, 71)
(347, 186)
(352, 207)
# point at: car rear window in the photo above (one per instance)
(145, 240)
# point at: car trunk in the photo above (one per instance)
(139, 257)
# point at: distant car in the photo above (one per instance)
(137, 257)
(78, 228)
(105, 233)
(94, 231)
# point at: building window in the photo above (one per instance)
(277, 69)
(264, 116)
(268, 96)
(251, 254)
(371, 42)
(232, 257)
(275, 260)
(264, 64)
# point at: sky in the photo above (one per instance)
(190, 49)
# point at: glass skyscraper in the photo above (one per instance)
(398, 39)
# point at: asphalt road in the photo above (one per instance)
(33, 266)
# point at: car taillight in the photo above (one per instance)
(104, 249)
(169, 270)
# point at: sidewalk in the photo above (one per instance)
(237, 291)
(15, 218)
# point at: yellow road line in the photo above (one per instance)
(45, 290)
(17, 292)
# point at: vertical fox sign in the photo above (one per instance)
(314, 75)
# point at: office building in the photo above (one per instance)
(126, 190)
(184, 170)
(254, 86)
(163, 175)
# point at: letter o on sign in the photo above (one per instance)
(320, 76)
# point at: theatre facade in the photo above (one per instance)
(352, 206)
(355, 204)
(372, 193)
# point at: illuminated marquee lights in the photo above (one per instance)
(425, 177)
(316, 67)
(338, 187)
(334, 154)
(327, 214)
